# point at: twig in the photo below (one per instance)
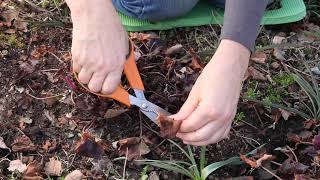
(270, 172)
(48, 70)
(124, 166)
(257, 113)
(60, 60)
(249, 124)
(44, 98)
(295, 156)
(37, 7)
(140, 124)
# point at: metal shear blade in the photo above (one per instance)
(149, 109)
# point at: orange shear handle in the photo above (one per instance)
(133, 76)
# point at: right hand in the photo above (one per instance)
(99, 44)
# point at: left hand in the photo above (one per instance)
(208, 112)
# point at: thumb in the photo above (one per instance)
(187, 108)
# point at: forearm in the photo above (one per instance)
(242, 19)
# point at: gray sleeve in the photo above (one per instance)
(242, 20)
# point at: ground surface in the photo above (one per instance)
(43, 113)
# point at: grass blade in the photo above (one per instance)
(193, 161)
(182, 150)
(202, 157)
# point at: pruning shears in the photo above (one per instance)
(121, 95)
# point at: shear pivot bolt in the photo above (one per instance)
(144, 105)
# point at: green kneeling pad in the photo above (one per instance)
(204, 14)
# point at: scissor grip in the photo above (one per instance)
(120, 94)
(131, 71)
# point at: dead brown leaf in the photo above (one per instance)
(49, 145)
(174, 49)
(256, 163)
(111, 113)
(278, 39)
(33, 171)
(74, 175)
(275, 65)
(278, 54)
(53, 167)
(196, 63)
(168, 126)
(251, 163)
(2, 144)
(21, 25)
(10, 31)
(259, 57)
(255, 74)
(23, 144)
(41, 51)
(290, 167)
(309, 123)
(285, 114)
(143, 36)
(133, 147)
(29, 66)
(17, 165)
(9, 16)
(87, 146)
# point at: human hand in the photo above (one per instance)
(99, 44)
(211, 106)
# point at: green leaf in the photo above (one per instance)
(193, 161)
(202, 157)
(214, 166)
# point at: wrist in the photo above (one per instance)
(233, 55)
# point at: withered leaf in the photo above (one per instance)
(2, 144)
(259, 57)
(133, 147)
(21, 25)
(74, 175)
(53, 167)
(174, 49)
(196, 63)
(278, 54)
(256, 163)
(9, 16)
(289, 167)
(275, 65)
(33, 171)
(87, 146)
(285, 114)
(143, 36)
(23, 143)
(17, 165)
(168, 126)
(309, 123)
(111, 113)
(250, 162)
(49, 145)
(255, 74)
(316, 142)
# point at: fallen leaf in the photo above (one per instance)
(51, 117)
(26, 120)
(74, 175)
(290, 167)
(256, 163)
(255, 74)
(49, 145)
(87, 146)
(293, 138)
(21, 25)
(8, 16)
(316, 70)
(316, 142)
(305, 135)
(278, 39)
(259, 57)
(251, 163)
(196, 63)
(23, 144)
(143, 36)
(17, 165)
(111, 113)
(275, 65)
(133, 147)
(53, 167)
(2, 144)
(285, 114)
(41, 51)
(265, 157)
(33, 171)
(309, 123)
(29, 66)
(174, 50)
(10, 31)
(168, 126)
(67, 57)
(100, 166)
(278, 54)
